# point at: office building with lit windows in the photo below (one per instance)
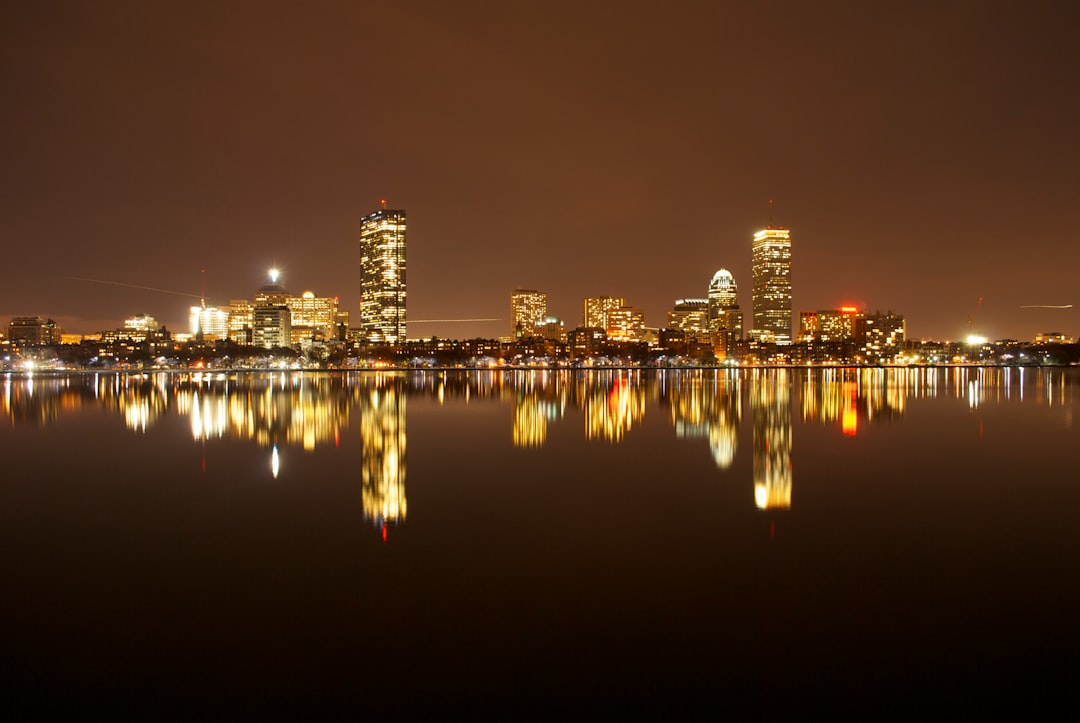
(828, 325)
(271, 326)
(690, 315)
(598, 308)
(771, 260)
(626, 323)
(208, 322)
(33, 330)
(724, 313)
(528, 310)
(382, 276)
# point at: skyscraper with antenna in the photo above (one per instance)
(771, 262)
(382, 276)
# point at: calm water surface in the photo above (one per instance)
(509, 544)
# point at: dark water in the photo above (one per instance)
(753, 544)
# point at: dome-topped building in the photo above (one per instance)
(724, 313)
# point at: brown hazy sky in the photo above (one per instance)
(923, 155)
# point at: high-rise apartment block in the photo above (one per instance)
(880, 336)
(528, 310)
(382, 276)
(690, 315)
(829, 325)
(271, 326)
(771, 261)
(626, 323)
(598, 308)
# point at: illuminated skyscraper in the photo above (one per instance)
(528, 309)
(382, 276)
(209, 321)
(772, 285)
(724, 312)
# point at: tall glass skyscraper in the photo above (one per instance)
(382, 276)
(772, 285)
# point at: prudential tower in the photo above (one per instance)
(772, 285)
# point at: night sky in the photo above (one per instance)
(923, 155)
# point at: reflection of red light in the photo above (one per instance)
(337, 437)
(384, 533)
(850, 422)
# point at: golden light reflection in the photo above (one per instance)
(382, 435)
(613, 404)
(706, 404)
(770, 402)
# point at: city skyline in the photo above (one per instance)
(924, 158)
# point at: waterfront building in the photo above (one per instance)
(528, 309)
(141, 323)
(597, 309)
(771, 259)
(241, 321)
(1053, 337)
(880, 336)
(828, 325)
(627, 323)
(690, 315)
(725, 316)
(382, 276)
(312, 317)
(209, 322)
(33, 330)
(271, 326)
(552, 329)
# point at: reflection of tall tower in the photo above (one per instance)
(772, 285)
(708, 406)
(770, 400)
(382, 434)
(382, 276)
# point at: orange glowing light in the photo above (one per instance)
(849, 419)
(849, 309)
(849, 423)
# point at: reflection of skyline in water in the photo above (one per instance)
(310, 410)
(706, 404)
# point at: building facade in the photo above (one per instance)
(597, 309)
(771, 260)
(627, 323)
(271, 326)
(724, 313)
(209, 322)
(690, 315)
(382, 276)
(33, 331)
(528, 310)
(829, 325)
